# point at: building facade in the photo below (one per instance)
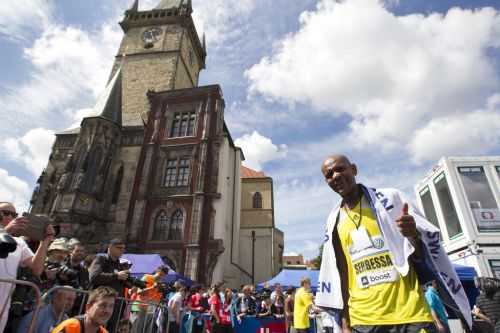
(156, 165)
(461, 196)
(261, 243)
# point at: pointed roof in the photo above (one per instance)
(250, 173)
(109, 104)
(135, 6)
(167, 4)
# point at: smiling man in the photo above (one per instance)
(373, 249)
(98, 311)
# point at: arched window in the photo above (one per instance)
(160, 226)
(257, 200)
(175, 230)
(118, 185)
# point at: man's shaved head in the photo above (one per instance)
(335, 157)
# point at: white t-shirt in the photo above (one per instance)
(177, 299)
(8, 270)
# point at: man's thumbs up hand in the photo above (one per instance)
(406, 223)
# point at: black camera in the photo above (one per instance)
(135, 282)
(68, 272)
(487, 285)
(131, 281)
(7, 245)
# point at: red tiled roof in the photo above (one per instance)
(249, 173)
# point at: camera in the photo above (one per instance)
(487, 285)
(65, 274)
(7, 245)
(131, 281)
(68, 272)
(135, 282)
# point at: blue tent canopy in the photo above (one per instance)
(291, 278)
(148, 263)
(143, 263)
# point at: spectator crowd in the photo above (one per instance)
(84, 292)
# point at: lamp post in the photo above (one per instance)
(253, 256)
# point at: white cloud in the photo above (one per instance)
(71, 67)
(391, 74)
(258, 150)
(78, 115)
(475, 133)
(32, 150)
(14, 190)
(20, 17)
(220, 19)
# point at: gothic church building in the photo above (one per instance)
(156, 165)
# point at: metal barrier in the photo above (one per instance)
(37, 299)
(141, 315)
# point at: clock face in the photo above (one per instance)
(151, 35)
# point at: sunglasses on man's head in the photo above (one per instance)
(8, 212)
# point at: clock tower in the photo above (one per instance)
(160, 51)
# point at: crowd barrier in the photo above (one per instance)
(145, 317)
(37, 304)
(248, 324)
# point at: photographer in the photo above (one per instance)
(488, 302)
(73, 272)
(22, 256)
(152, 293)
(107, 270)
(56, 254)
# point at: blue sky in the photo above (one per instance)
(393, 84)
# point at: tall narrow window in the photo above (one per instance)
(257, 200)
(160, 226)
(480, 197)
(177, 173)
(175, 229)
(429, 210)
(183, 178)
(171, 174)
(191, 124)
(183, 124)
(447, 206)
(118, 185)
(176, 126)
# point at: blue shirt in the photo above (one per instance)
(435, 303)
(46, 321)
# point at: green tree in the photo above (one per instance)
(317, 260)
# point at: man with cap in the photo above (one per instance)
(56, 254)
(107, 270)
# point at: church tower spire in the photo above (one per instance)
(135, 6)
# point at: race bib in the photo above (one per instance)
(370, 259)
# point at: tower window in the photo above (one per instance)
(183, 124)
(175, 228)
(160, 226)
(257, 200)
(176, 173)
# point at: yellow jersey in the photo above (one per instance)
(378, 294)
(303, 299)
